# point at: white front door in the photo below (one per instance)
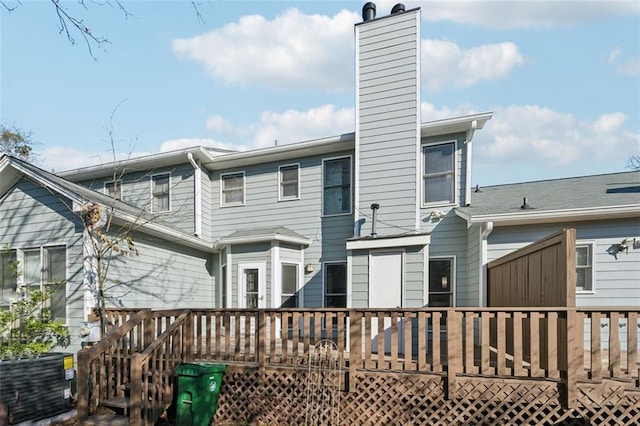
(252, 286)
(385, 291)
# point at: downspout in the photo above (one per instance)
(485, 230)
(470, 133)
(197, 196)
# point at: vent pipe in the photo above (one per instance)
(369, 12)
(374, 209)
(398, 8)
(525, 205)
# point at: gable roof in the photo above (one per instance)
(13, 169)
(577, 198)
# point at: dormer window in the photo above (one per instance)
(439, 174)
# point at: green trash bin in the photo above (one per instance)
(198, 389)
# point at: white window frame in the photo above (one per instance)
(6, 303)
(151, 182)
(43, 283)
(342, 157)
(423, 202)
(244, 189)
(453, 283)
(298, 266)
(281, 196)
(115, 185)
(592, 261)
(324, 281)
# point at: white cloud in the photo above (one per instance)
(536, 135)
(292, 50)
(507, 14)
(614, 55)
(630, 67)
(446, 64)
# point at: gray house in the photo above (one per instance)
(382, 217)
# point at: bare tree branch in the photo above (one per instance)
(634, 162)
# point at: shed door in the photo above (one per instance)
(385, 291)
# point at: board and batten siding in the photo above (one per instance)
(304, 215)
(32, 216)
(136, 190)
(387, 132)
(617, 275)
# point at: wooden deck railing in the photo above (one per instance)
(565, 345)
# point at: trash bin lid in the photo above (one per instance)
(199, 368)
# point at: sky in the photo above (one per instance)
(561, 77)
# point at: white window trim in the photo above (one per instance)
(244, 189)
(299, 283)
(454, 284)
(324, 279)
(592, 259)
(104, 188)
(20, 259)
(262, 283)
(324, 160)
(280, 195)
(151, 191)
(423, 204)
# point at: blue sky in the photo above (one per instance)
(562, 77)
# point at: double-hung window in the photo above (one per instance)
(45, 269)
(161, 192)
(439, 174)
(113, 189)
(232, 189)
(289, 177)
(335, 285)
(336, 186)
(584, 267)
(8, 277)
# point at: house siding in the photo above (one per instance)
(414, 277)
(616, 276)
(250, 253)
(388, 114)
(136, 190)
(30, 217)
(304, 216)
(360, 278)
(468, 292)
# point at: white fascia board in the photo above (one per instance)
(455, 124)
(47, 183)
(381, 242)
(263, 238)
(589, 213)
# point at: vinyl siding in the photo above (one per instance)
(414, 277)
(30, 217)
(468, 292)
(616, 276)
(136, 190)
(388, 103)
(250, 253)
(360, 279)
(303, 216)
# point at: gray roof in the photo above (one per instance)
(588, 192)
(265, 232)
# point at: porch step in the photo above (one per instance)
(107, 419)
(120, 402)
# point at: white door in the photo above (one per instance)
(385, 291)
(252, 289)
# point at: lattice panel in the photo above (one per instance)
(278, 398)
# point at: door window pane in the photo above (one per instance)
(289, 286)
(440, 283)
(251, 288)
(335, 285)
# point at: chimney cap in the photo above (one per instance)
(398, 8)
(369, 11)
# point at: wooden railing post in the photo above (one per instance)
(355, 347)
(261, 337)
(83, 385)
(149, 331)
(188, 335)
(454, 351)
(135, 411)
(573, 338)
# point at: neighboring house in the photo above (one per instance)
(293, 225)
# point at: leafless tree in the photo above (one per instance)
(634, 162)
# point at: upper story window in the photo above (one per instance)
(232, 186)
(113, 189)
(161, 192)
(439, 174)
(336, 186)
(584, 267)
(289, 177)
